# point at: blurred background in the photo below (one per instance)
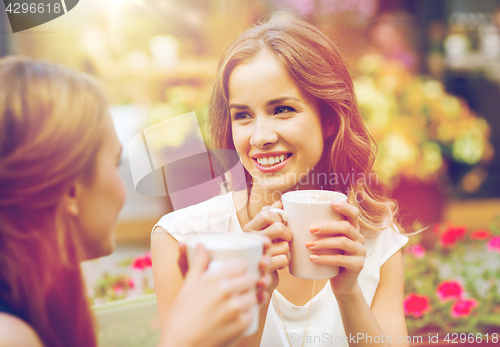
(427, 77)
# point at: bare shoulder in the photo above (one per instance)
(387, 305)
(161, 239)
(158, 229)
(166, 272)
(391, 285)
(15, 332)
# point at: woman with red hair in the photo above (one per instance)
(283, 99)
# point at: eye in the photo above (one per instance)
(241, 116)
(283, 109)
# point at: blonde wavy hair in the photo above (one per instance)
(316, 65)
(51, 128)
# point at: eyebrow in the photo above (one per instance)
(269, 103)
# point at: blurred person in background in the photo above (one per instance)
(435, 58)
(394, 35)
(60, 195)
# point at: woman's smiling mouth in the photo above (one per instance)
(271, 162)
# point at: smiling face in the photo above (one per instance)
(276, 126)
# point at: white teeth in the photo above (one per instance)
(271, 160)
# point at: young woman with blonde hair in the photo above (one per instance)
(60, 195)
(283, 99)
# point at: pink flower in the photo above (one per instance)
(147, 259)
(480, 234)
(463, 308)
(416, 250)
(416, 305)
(118, 289)
(449, 290)
(451, 235)
(140, 263)
(494, 244)
(130, 283)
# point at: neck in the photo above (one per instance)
(258, 198)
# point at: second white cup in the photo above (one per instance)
(223, 247)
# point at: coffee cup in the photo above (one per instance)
(301, 210)
(224, 247)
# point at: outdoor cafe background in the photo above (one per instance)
(427, 76)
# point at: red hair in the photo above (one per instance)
(51, 127)
(317, 67)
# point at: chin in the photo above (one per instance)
(281, 184)
(100, 250)
(111, 245)
(271, 188)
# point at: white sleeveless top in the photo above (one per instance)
(325, 328)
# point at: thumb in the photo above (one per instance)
(277, 204)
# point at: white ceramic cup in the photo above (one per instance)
(301, 210)
(223, 247)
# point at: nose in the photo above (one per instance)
(263, 133)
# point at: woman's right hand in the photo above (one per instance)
(213, 306)
(270, 224)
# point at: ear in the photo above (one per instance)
(72, 199)
(329, 127)
(329, 119)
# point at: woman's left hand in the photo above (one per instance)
(345, 236)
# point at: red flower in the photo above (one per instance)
(139, 263)
(449, 290)
(416, 250)
(130, 283)
(463, 308)
(451, 235)
(494, 244)
(147, 259)
(480, 234)
(118, 289)
(416, 305)
(436, 229)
